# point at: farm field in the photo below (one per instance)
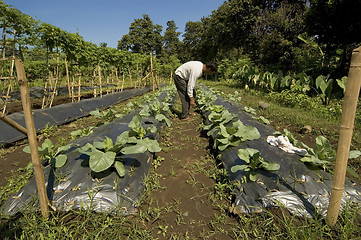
(188, 194)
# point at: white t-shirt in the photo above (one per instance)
(190, 71)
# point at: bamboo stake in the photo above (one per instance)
(93, 84)
(29, 121)
(123, 82)
(79, 86)
(346, 128)
(151, 70)
(67, 77)
(130, 77)
(100, 81)
(44, 97)
(117, 77)
(12, 123)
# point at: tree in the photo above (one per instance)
(337, 24)
(171, 39)
(274, 34)
(192, 38)
(143, 37)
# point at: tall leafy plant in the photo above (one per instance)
(324, 83)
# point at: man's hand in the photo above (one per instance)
(192, 101)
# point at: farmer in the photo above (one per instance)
(185, 80)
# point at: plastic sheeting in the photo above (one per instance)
(294, 186)
(62, 114)
(74, 186)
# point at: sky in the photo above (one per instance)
(108, 20)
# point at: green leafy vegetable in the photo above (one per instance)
(253, 162)
(48, 151)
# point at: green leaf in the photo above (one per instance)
(95, 113)
(315, 160)
(239, 168)
(224, 131)
(152, 145)
(138, 148)
(107, 144)
(354, 154)
(100, 161)
(27, 149)
(270, 166)
(98, 145)
(253, 176)
(161, 117)
(64, 148)
(59, 161)
(119, 166)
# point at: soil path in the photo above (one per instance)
(185, 195)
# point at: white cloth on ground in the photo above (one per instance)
(284, 143)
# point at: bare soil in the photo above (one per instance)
(187, 186)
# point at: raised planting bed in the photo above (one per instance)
(76, 186)
(302, 189)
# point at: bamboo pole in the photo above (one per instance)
(29, 121)
(100, 81)
(117, 77)
(346, 128)
(151, 70)
(130, 77)
(12, 123)
(67, 77)
(79, 86)
(123, 82)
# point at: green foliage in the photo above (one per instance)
(216, 119)
(324, 156)
(234, 135)
(82, 132)
(253, 162)
(205, 100)
(48, 151)
(342, 83)
(143, 37)
(106, 115)
(324, 83)
(158, 110)
(107, 154)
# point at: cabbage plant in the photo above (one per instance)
(253, 162)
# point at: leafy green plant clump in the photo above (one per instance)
(158, 110)
(217, 117)
(48, 151)
(324, 156)
(253, 162)
(234, 135)
(107, 154)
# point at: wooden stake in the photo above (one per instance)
(29, 121)
(346, 128)
(67, 77)
(117, 77)
(100, 81)
(123, 82)
(151, 70)
(130, 77)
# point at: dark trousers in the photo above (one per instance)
(181, 86)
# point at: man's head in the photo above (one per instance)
(210, 67)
